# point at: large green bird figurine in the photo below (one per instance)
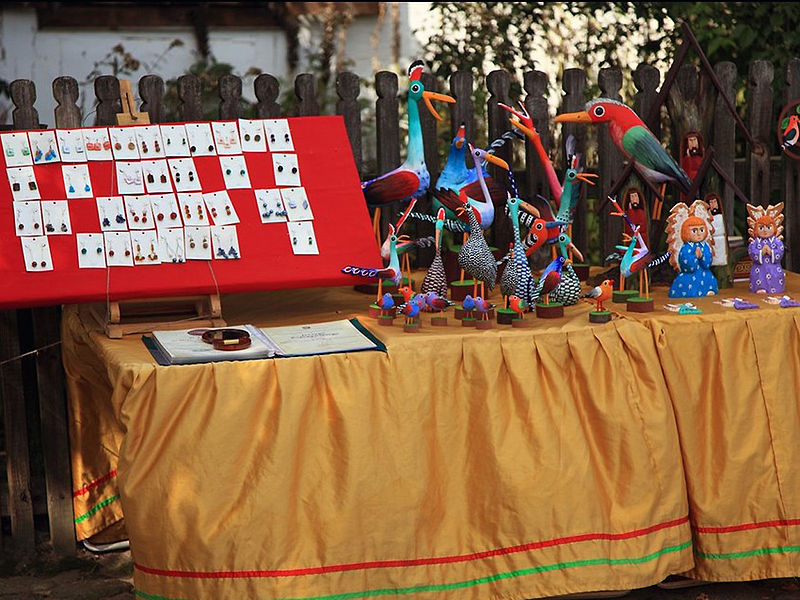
(634, 139)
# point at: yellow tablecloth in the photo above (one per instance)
(499, 464)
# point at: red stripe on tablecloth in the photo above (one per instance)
(411, 562)
(748, 526)
(94, 483)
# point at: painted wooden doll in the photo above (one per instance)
(765, 228)
(690, 237)
(720, 230)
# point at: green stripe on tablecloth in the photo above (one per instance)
(94, 509)
(151, 596)
(435, 587)
(745, 553)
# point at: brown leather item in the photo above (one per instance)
(227, 339)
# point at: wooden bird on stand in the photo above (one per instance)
(411, 179)
(436, 279)
(475, 257)
(391, 271)
(635, 141)
(601, 294)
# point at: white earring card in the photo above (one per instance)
(119, 251)
(226, 242)
(184, 175)
(226, 137)
(286, 169)
(23, 183)
(111, 213)
(171, 242)
(197, 243)
(28, 218)
(129, 177)
(176, 143)
(55, 217)
(251, 135)
(220, 207)
(91, 250)
(149, 142)
(166, 212)
(145, 248)
(71, 145)
(270, 206)
(44, 147)
(36, 254)
(156, 176)
(97, 144)
(302, 237)
(193, 209)
(77, 182)
(16, 149)
(278, 135)
(123, 143)
(234, 172)
(139, 213)
(201, 140)
(296, 202)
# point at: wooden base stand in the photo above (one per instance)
(483, 324)
(374, 311)
(602, 316)
(554, 310)
(520, 322)
(505, 316)
(640, 305)
(143, 315)
(439, 321)
(621, 296)
(386, 320)
(468, 322)
(411, 327)
(461, 289)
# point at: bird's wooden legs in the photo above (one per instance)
(406, 268)
(463, 241)
(380, 291)
(646, 278)
(483, 290)
(376, 225)
(658, 203)
(621, 279)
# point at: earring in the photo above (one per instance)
(191, 175)
(160, 216)
(272, 137)
(117, 146)
(214, 211)
(200, 214)
(15, 186)
(37, 156)
(257, 137)
(177, 177)
(246, 137)
(71, 187)
(221, 253)
(131, 145)
(242, 173)
(87, 188)
(163, 178)
(191, 242)
(205, 243)
(144, 147)
(157, 146)
(120, 219)
(280, 168)
(228, 210)
(173, 215)
(192, 149)
(31, 185)
(232, 253)
(106, 222)
(9, 152)
(150, 178)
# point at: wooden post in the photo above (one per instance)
(791, 177)
(305, 88)
(498, 83)
(387, 118)
(536, 84)
(191, 98)
(109, 104)
(230, 93)
(646, 78)
(724, 136)
(267, 89)
(348, 88)
(759, 120)
(65, 92)
(611, 165)
(463, 111)
(574, 85)
(151, 91)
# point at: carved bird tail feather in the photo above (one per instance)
(449, 224)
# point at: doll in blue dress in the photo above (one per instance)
(690, 236)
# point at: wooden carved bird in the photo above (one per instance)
(391, 271)
(601, 293)
(518, 305)
(436, 279)
(550, 279)
(517, 279)
(568, 291)
(475, 257)
(483, 307)
(634, 139)
(410, 310)
(436, 303)
(411, 179)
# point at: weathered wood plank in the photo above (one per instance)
(791, 178)
(151, 91)
(387, 123)
(109, 104)
(23, 95)
(65, 92)
(498, 83)
(574, 85)
(267, 89)
(536, 85)
(611, 165)
(348, 88)
(724, 136)
(646, 78)
(759, 121)
(305, 88)
(230, 94)
(190, 94)
(463, 111)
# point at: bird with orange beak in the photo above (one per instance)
(633, 138)
(411, 179)
(601, 294)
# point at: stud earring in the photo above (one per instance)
(205, 244)
(117, 146)
(193, 149)
(280, 168)
(191, 242)
(10, 152)
(31, 185)
(131, 145)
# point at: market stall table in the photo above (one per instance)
(508, 463)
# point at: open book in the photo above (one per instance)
(187, 347)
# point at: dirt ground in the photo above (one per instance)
(110, 577)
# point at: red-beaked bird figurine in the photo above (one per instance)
(601, 294)
(518, 305)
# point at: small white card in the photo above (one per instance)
(171, 242)
(145, 247)
(23, 183)
(44, 147)
(285, 169)
(301, 235)
(221, 208)
(111, 213)
(226, 242)
(270, 206)
(123, 143)
(97, 144)
(198, 243)
(165, 211)
(71, 145)
(119, 252)
(279, 137)
(139, 212)
(55, 214)
(296, 202)
(251, 134)
(91, 251)
(28, 218)
(184, 175)
(77, 182)
(148, 138)
(234, 171)
(193, 209)
(175, 141)
(201, 140)
(226, 136)
(16, 149)
(129, 177)
(156, 176)
(36, 252)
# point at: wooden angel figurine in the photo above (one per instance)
(690, 237)
(765, 228)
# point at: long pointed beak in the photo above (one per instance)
(526, 130)
(403, 238)
(586, 177)
(497, 161)
(575, 251)
(576, 117)
(529, 208)
(428, 96)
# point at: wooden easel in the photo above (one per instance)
(140, 315)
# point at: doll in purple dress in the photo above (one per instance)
(765, 228)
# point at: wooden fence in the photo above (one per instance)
(32, 388)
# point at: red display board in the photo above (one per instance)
(327, 172)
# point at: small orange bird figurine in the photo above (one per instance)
(406, 292)
(517, 304)
(601, 293)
